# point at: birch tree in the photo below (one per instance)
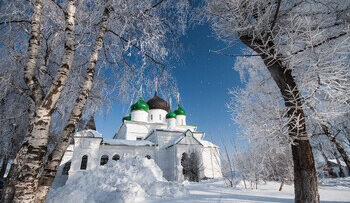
(138, 29)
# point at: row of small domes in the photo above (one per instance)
(155, 103)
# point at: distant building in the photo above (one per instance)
(151, 130)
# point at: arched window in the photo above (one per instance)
(151, 117)
(116, 157)
(104, 160)
(160, 117)
(84, 161)
(66, 168)
(148, 156)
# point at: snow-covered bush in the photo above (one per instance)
(130, 179)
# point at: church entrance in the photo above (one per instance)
(190, 165)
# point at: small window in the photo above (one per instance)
(66, 168)
(160, 117)
(84, 161)
(104, 160)
(148, 156)
(139, 138)
(151, 117)
(116, 157)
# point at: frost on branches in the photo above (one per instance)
(65, 60)
(305, 47)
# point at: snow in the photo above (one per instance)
(128, 142)
(131, 179)
(215, 190)
(175, 141)
(335, 162)
(207, 143)
(88, 133)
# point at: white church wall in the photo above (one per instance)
(157, 116)
(111, 150)
(180, 120)
(186, 127)
(139, 115)
(60, 178)
(171, 123)
(211, 162)
(166, 162)
(85, 146)
(136, 130)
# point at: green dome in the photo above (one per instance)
(127, 118)
(171, 115)
(140, 105)
(180, 111)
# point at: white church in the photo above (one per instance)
(153, 131)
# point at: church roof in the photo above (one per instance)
(207, 144)
(140, 106)
(180, 111)
(88, 133)
(171, 115)
(180, 137)
(128, 142)
(127, 118)
(158, 103)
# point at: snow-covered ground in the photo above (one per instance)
(131, 179)
(331, 190)
(135, 179)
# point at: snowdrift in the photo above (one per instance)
(130, 179)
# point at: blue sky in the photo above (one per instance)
(203, 79)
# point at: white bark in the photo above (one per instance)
(29, 160)
(55, 157)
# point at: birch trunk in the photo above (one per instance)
(33, 49)
(30, 159)
(55, 157)
(305, 179)
(30, 79)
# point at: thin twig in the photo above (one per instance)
(234, 55)
(17, 88)
(138, 48)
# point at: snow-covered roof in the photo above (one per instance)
(179, 138)
(207, 143)
(128, 142)
(88, 133)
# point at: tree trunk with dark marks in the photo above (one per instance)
(31, 81)
(337, 144)
(281, 186)
(30, 159)
(341, 171)
(305, 178)
(55, 157)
